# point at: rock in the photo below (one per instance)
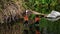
(53, 16)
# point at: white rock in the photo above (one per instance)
(53, 16)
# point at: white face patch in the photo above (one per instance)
(26, 11)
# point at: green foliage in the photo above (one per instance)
(45, 6)
(40, 5)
